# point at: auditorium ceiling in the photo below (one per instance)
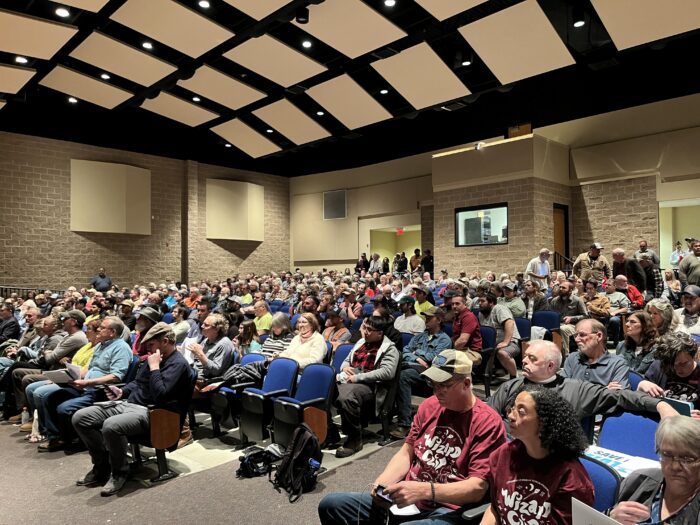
(297, 87)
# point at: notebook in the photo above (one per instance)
(582, 514)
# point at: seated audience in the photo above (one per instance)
(363, 381)
(631, 291)
(443, 466)
(670, 494)
(263, 318)
(180, 325)
(335, 332)
(415, 359)
(663, 315)
(640, 342)
(247, 340)
(592, 362)
(690, 313)
(498, 317)
(675, 372)
(619, 305)
(533, 299)
(511, 300)
(105, 429)
(571, 310)
(547, 441)
(466, 335)
(409, 322)
(597, 304)
(308, 345)
(214, 354)
(9, 327)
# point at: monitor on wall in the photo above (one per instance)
(481, 225)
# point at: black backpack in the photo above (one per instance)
(298, 470)
(255, 462)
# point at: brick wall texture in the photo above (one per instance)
(616, 214)
(38, 249)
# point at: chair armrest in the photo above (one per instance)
(313, 402)
(475, 513)
(232, 389)
(276, 393)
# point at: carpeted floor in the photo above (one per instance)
(40, 488)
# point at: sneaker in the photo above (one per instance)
(17, 418)
(400, 432)
(26, 427)
(185, 440)
(94, 477)
(114, 484)
(348, 449)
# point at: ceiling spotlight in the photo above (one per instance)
(384, 92)
(196, 99)
(466, 62)
(21, 60)
(147, 45)
(105, 76)
(302, 16)
(320, 113)
(72, 100)
(62, 12)
(479, 145)
(204, 4)
(579, 19)
(227, 145)
(270, 130)
(306, 44)
(390, 3)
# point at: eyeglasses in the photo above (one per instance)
(684, 461)
(581, 335)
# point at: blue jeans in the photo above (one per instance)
(59, 407)
(614, 325)
(410, 379)
(344, 508)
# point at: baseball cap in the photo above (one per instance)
(449, 292)
(333, 311)
(73, 314)
(691, 289)
(434, 311)
(407, 300)
(419, 288)
(446, 364)
(127, 302)
(157, 330)
(234, 299)
(510, 286)
(690, 239)
(349, 291)
(596, 246)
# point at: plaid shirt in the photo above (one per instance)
(365, 357)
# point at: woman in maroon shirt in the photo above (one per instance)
(533, 478)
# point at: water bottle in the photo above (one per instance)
(314, 465)
(25, 416)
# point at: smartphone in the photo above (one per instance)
(380, 494)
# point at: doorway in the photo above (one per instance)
(560, 221)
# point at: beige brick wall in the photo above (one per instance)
(509, 258)
(221, 258)
(37, 247)
(616, 214)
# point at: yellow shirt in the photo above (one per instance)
(82, 357)
(422, 307)
(245, 299)
(264, 322)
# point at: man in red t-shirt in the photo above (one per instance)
(466, 335)
(444, 463)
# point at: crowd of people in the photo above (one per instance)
(405, 324)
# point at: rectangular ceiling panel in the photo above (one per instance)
(84, 87)
(444, 9)
(517, 43)
(221, 88)
(348, 102)
(274, 60)
(172, 24)
(245, 138)
(257, 9)
(177, 109)
(13, 78)
(93, 6)
(292, 122)
(350, 26)
(123, 60)
(634, 22)
(33, 37)
(2, 104)
(421, 77)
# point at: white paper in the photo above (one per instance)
(405, 511)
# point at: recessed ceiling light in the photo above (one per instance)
(62, 12)
(21, 60)
(227, 145)
(384, 91)
(196, 99)
(306, 44)
(72, 100)
(204, 4)
(147, 45)
(390, 3)
(579, 23)
(320, 113)
(270, 130)
(105, 76)
(467, 63)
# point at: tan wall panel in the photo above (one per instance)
(551, 160)
(110, 198)
(233, 210)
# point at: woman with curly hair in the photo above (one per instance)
(533, 478)
(640, 342)
(663, 315)
(675, 372)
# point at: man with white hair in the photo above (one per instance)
(630, 268)
(538, 269)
